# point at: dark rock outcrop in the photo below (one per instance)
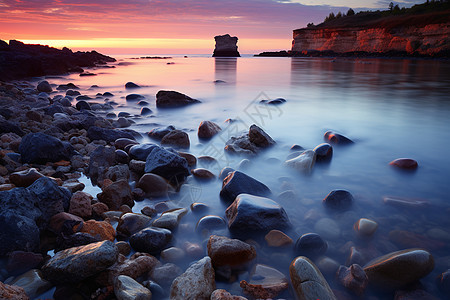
(19, 60)
(171, 99)
(226, 46)
(41, 148)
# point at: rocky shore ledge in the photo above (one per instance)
(54, 235)
(19, 60)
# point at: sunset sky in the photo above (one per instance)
(167, 26)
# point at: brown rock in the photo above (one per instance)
(276, 238)
(74, 186)
(176, 138)
(116, 194)
(405, 163)
(265, 283)
(353, 278)
(153, 185)
(208, 129)
(123, 247)
(99, 209)
(80, 204)
(202, 173)
(191, 159)
(12, 292)
(229, 252)
(137, 265)
(101, 230)
(224, 295)
(6, 187)
(25, 178)
(57, 221)
(257, 291)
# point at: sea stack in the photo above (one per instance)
(226, 46)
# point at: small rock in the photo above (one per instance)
(151, 240)
(100, 230)
(365, 227)
(32, 282)
(25, 178)
(131, 85)
(304, 162)
(80, 204)
(166, 274)
(353, 278)
(276, 238)
(126, 288)
(130, 223)
(229, 252)
(170, 99)
(201, 173)
(44, 87)
(308, 282)
(145, 111)
(134, 97)
(176, 138)
(208, 129)
(166, 164)
(324, 152)
(310, 245)
(172, 254)
(141, 151)
(198, 282)
(191, 159)
(170, 219)
(405, 163)
(158, 133)
(209, 223)
(260, 138)
(117, 194)
(336, 138)
(338, 200)
(12, 292)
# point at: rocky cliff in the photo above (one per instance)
(417, 35)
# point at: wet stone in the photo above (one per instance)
(141, 151)
(25, 178)
(338, 200)
(210, 223)
(170, 219)
(276, 238)
(130, 223)
(221, 294)
(399, 268)
(166, 164)
(365, 227)
(207, 129)
(310, 245)
(158, 133)
(165, 274)
(151, 240)
(32, 282)
(172, 254)
(176, 138)
(336, 138)
(171, 99)
(328, 229)
(229, 252)
(324, 152)
(126, 288)
(405, 163)
(239, 183)
(153, 185)
(265, 282)
(252, 214)
(303, 162)
(353, 278)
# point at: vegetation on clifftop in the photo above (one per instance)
(430, 12)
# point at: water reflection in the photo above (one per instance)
(225, 69)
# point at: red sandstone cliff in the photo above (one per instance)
(425, 34)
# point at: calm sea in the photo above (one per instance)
(389, 108)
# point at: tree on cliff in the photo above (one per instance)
(350, 12)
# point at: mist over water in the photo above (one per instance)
(389, 108)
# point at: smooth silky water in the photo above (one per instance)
(389, 108)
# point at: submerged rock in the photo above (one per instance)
(177, 139)
(198, 282)
(207, 129)
(265, 283)
(251, 214)
(353, 278)
(226, 46)
(405, 163)
(308, 282)
(303, 162)
(166, 164)
(310, 245)
(399, 268)
(338, 200)
(336, 138)
(170, 99)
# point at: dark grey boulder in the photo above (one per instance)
(158, 133)
(250, 214)
(141, 151)
(151, 240)
(107, 135)
(17, 232)
(134, 97)
(338, 200)
(83, 105)
(167, 164)
(324, 152)
(6, 126)
(41, 148)
(310, 245)
(169, 99)
(239, 183)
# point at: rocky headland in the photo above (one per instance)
(408, 33)
(226, 46)
(19, 60)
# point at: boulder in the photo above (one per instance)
(400, 268)
(224, 251)
(198, 282)
(303, 162)
(239, 183)
(338, 200)
(126, 288)
(75, 264)
(25, 178)
(151, 240)
(117, 194)
(308, 282)
(80, 204)
(158, 133)
(226, 46)
(41, 148)
(207, 129)
(167, 164)
(250, 214)
(170, 99)
(177, 139)
(17, 232)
